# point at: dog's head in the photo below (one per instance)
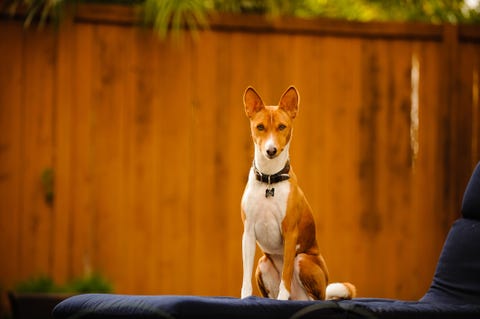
(271, 126)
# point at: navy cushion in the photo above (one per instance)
(100, 306)
(457, 276)
(115, 306)
(367, 308)
(471, 197)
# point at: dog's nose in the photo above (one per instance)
(272, 151)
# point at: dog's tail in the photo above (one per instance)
(340, 290)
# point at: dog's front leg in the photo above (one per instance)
(248, 254)
(289, 252)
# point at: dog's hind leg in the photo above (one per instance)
(268, 277)
(310, 278)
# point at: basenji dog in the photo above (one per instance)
(276, 214)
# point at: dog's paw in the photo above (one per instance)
(283, 293)
(246, 292)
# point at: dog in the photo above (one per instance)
(276, 214)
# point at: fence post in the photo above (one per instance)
(457, 124)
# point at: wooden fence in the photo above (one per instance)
(150, 148)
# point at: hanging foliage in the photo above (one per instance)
(167, 15)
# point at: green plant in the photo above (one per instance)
(167, 15)
(175, 14)
(36, 8)
(45, 284)
(37, 284)
(92, 283)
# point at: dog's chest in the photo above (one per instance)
(265, 214)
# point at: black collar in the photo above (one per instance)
(274, 178)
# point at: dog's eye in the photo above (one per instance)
(260, 127)
(281, 127)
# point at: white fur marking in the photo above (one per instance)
(337, 291)
(270, 143)
(265, 215)
(283, 294)
(248, 254)
(270, 166)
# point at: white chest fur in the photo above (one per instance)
(265, 214)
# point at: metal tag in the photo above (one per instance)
(269, 192)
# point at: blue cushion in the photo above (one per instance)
(115, 306)
(471, 197)
(457, 276)
(106, 306)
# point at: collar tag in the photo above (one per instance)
(269, 192)
(272, 179)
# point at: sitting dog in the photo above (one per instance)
(276, 214)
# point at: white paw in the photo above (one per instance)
(283, 293)
(246, 291)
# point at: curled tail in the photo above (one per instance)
(340, 290)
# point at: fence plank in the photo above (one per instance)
(62, 126)
(207, 165)
(175, 198)
(83, 225)
(144, 207)
(469, 95)
(110, 106)
(11, 96)
(37, 144)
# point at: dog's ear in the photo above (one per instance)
(252, 101)
(289, 101)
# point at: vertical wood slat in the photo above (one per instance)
(207, 155)
(460, 153)
(468, 86)
(425, 203)
(82, 225)
(62, 154)
(110, 108)
(144, 121)
(37, 145)
(11, 167)
(174, 173)
(475, 105)
(151, 150)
